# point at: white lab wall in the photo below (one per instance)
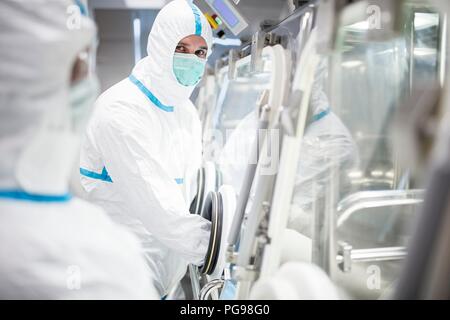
(115, 53)
(130, 4)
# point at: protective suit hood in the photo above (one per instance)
(177, 20)
(142, 150)
(39, 42)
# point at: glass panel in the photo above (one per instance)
(240, 96)
(425, 50)
(371, 80)
(213, 91)
(236, 119)
(327, 142)
(348, 147)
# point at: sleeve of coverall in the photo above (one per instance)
(150, 191)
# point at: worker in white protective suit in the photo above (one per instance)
(326, 142)
(143, 145)
(52, 245)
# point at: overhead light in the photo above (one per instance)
(390, 174)
(227, 42)
(377, 173)
(352, 64)
(425, 20)
(359, 26)
(355, 174)
(424, 52)
(137, 39)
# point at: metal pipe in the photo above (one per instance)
(247, 184)
(193, 274)
(379, 254)
(209, 287)
(347, 256)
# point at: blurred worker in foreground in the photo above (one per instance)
(143, 145)
(52, 245)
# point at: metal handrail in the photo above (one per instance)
(209, 287)
(346, 255)
(194, 276)
(375, 199)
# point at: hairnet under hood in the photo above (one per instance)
(177, 20)
(39, 41)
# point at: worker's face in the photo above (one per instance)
(193, 45)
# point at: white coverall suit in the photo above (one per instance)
(143, 149)
(52, 245)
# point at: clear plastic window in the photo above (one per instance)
(350, 187)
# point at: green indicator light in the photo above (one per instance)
(219, 22)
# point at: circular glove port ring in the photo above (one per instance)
(208, 179)
(219, 179)
(197, 203)
(213, 211)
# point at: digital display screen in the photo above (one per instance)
(225, 12)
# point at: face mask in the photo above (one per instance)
(55, 147)
(82, 97)
(188, 68)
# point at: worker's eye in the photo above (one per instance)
(181, 49)
(201, 53)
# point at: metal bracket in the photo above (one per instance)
(263, 228)
(266, 24)
(258, 42)
(272, 39)
(346, 255)
(233, 56)
(231, 256)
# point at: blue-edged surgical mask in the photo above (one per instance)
(188, 68)
(82, 97)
